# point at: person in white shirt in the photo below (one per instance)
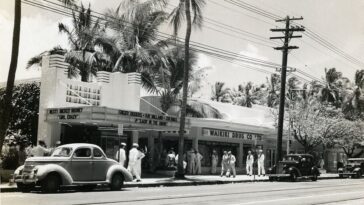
(141, 155)
(40, 150)
(121, 155)
(249, 163)
(261, 169)
(231, 165)
(133, 162)
(214, 161)
(198, 159)
(224, 163)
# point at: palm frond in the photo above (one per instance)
(177, 16)
(197, 6)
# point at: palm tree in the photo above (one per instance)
(37, 60)
(330, 93)
(134, 44)
(6, 103)
(82, 58)
(353, 105)
(220, 93)
(181, 12)
(273, 89)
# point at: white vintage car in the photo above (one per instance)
(72, 164)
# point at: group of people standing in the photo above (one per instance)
(228, 161)
(135, 159)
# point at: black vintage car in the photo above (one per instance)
(353, 168)
(293, 167)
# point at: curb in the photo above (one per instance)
(174, 184)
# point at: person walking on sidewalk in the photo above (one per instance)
(141, 155)
(198, 159)
(224, 163)
(133, 158)
(191, 157)
(231, 165)
(121, 155)
(261, 169)
(214, 161)
(249, 163)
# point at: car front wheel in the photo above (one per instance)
(25, 187)
(117, 181)
(51, 183)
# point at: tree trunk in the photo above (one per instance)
(5, 117)
(180, 170)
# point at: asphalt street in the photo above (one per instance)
(335, 191)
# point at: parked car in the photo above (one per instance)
(81, 164)
(354, 168)
(293, 167)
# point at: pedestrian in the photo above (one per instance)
(198, 159)
(121, 155)
(40, 150)
(22, 155)
(231, 165)
(133, 158)
(261, 169)
(224, 163)
(141, 155)
(184, 163)
(190, 161)
(171, 157)
(214, 161)
(249, 163)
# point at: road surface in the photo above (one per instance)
(335, 191)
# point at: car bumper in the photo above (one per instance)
(279, 175)
(347, 173)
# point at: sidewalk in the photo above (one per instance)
(189, 181)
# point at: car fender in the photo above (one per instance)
(357, 169)
(44, 170)
(340, 169)
(17, 171)
(294, 169)
(118, 168)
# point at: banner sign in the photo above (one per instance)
(231, 134)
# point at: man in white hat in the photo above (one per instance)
(261, 169)
(120, 154)
(133, 159)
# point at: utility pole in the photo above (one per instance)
(288, 35)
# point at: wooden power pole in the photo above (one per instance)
(288, 35)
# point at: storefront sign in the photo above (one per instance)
(231, 134)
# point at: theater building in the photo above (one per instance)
(110, 110)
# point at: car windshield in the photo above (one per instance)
(62, 152)
(291, 158)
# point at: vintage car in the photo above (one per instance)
(79, 164)
(353, 168)
(293, 167)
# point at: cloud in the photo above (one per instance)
(37, 35)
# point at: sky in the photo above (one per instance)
(341, 22)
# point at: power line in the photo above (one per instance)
(200, 47)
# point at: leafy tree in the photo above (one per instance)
(330, 93)
(353, 105)
(273, 90)
(24, 110)
(6, 102)
(181, 12)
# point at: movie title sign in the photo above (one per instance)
(231, 134)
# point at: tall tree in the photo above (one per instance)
(220, 93)
(273, 90)
(353, 105)
(181, 12)
(330, 92)
(132, 42)
(82, 58)
(6, 103)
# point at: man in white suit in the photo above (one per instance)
(261, 169)
(249, 163)
(120, 154)
(133, 162)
